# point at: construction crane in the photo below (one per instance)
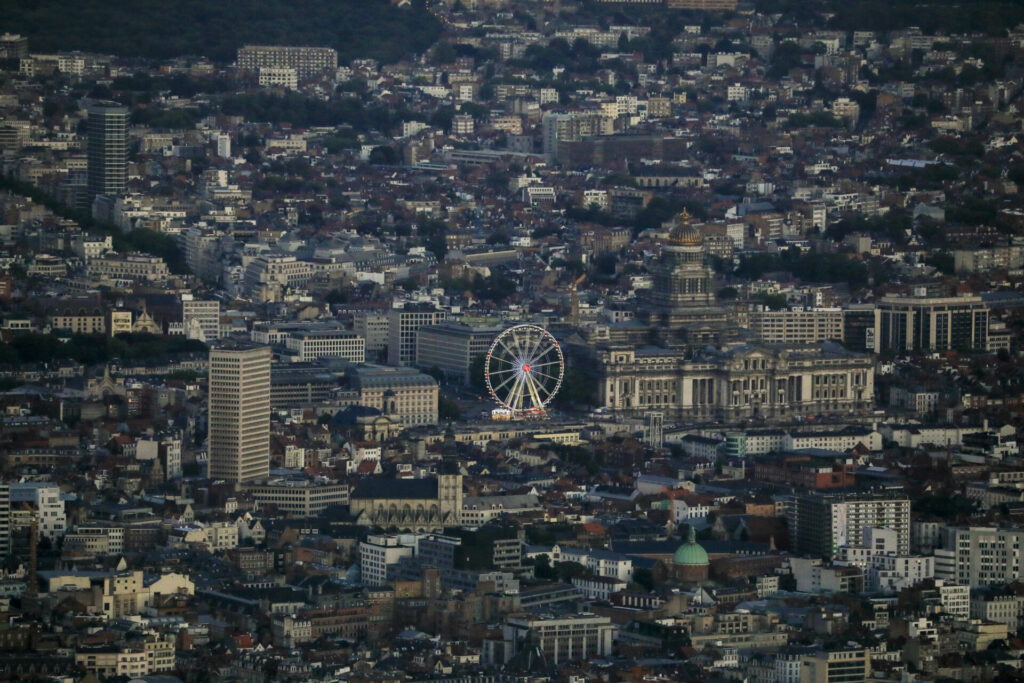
(574, 300)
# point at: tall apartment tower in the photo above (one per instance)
(239, 414)
(820, 524)
(5, 520)
(107, 149)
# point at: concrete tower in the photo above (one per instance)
(107, 149)
(239, 412)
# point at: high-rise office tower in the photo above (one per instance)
(239, 414)
(107, 149)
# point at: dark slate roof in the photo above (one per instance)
(735, 547)
(668, 547)
(349, 415)
(397, 489)
(647, 547)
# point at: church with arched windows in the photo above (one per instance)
(413, 505)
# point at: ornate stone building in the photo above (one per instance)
(701, 372)
(680, 307)
(736, 381)
(415, 505)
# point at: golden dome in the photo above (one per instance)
(684, 234)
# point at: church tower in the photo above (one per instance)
(449, 495)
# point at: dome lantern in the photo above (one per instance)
(684, 234)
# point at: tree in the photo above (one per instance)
(442, 118)
(383, 155)
(644, 577)
(773, 302)
(447, 409)
(433, 232)
(407, 283)
(443, 53)
(579, 386)
(942, 261)
(498, 237)
(476, 372)
(567, 571)
(477, 111)
(337, 296)
(542, 568)
(604, 264)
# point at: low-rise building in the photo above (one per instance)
(128, 267)
(298, 495)
(560, 639)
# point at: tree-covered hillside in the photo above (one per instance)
(991, 17)
(160, 29)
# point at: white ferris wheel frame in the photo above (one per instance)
(521, 369)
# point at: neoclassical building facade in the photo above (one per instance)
(700, 371)
(736, 381)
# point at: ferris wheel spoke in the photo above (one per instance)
(500, 386)
(502, 372)
(543, 374)
(503, 359)
(520, 346)
(541, 365)
(516, 397)
(524, 392)
(544, 354)
(533, 355)
(534, 394)
(508, 350)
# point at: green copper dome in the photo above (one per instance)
(690, 552)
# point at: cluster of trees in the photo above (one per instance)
(932, 16)
(774, 302)
(167, 119)
(822, 119)
(142, 239)
(579, 385)
(447, 409)
(946, 16)
(155, 243)
(161, 30)
(495, 287)
(892, 226)
(657, 211)
(580, 57)
(300, 110)
(563, 571)
(809, 267)
(90, 349)
(432, 235)
(581, 456)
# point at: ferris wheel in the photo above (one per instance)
(524, 369)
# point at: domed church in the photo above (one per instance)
(690, 562)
